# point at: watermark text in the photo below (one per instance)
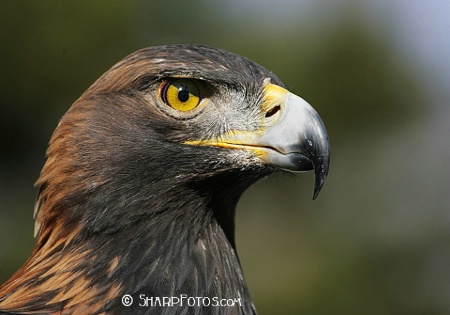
(182, 300)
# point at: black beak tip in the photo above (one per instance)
(317, 187)
(321, 172)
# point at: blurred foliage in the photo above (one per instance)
(321, 259)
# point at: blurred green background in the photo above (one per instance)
(377, 240)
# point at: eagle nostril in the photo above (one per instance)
(273, 111)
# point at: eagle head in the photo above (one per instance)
(142, 176)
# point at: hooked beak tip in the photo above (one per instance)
(320, 173)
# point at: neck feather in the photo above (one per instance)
(176, 252)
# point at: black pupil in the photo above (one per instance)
(183, 93)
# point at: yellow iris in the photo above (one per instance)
(181, 94)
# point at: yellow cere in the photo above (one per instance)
(181, 94)
(274, 95)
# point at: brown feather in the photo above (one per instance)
(124, 207)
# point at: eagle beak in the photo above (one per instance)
(297, 137)
(292, 136)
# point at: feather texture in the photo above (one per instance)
(125, 207)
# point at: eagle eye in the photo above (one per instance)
(181, 94)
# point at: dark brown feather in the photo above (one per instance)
(124, 207)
